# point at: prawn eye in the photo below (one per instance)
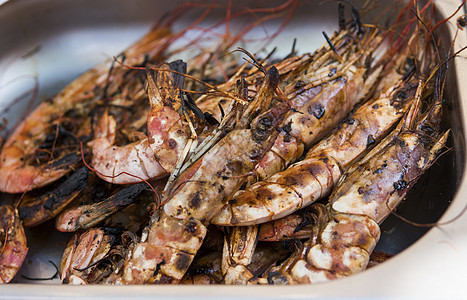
(462, 21)
(265, 123)
(273, 74)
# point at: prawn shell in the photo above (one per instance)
(343, 260)
(314, 177)
(13, 244)
(295, 187)
(82, 252)
(235, 155)
(168, 251)
(377, 188)
(167, 136)
(302, 272)
(284, 228)
(36, 210)
(18, 177)
(112, 162)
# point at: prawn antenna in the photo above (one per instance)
(356, 19)
(254, 61)
(222, 111)
(331, 44)
(341, 16)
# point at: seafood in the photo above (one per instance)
(87, 216)
(176, 233)
(134, 162)
(95, 256)
(41, 149)
(151, 157)
(34, 209)
(82, 251)
(337, 78)
(348, 232)
(205, 270)
(315, 176)
(13, 245)
(239, 246)
(298, 225)
(132, 236)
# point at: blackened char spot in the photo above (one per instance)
(172, 143)
(158, 268)
(65, 162)
(299, 84)
(196, 200)
(183, 262)
(164, 279)
(316, 110)
(277, 278)
(191, 227)
(400, 184)
(265, 122)
(287, 127)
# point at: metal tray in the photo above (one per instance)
(54, 41)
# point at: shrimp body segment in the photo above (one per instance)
(167, 134)
(34, 209)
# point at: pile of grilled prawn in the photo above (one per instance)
(225, 170)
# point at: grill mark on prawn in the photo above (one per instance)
(291, 186)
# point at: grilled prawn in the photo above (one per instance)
(13, 245)
(343, 242)
(45, 146)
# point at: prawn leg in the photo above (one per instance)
(239, 246)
